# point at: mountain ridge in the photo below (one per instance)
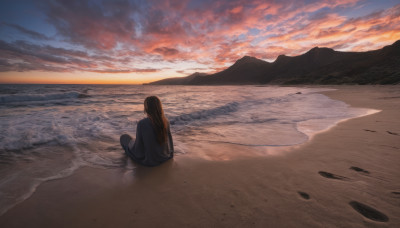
(319, 65)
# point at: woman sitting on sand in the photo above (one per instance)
(153, 144)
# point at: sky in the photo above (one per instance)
(135, 41)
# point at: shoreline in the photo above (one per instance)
(248, 192)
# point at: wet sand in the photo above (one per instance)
(348, 176)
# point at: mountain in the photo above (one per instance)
(247, 70)
(317, 66)
(178, 80)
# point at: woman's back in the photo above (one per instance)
(153, 144)
(146, 149)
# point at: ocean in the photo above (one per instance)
(49, 131)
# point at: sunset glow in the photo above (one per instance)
(134, 42)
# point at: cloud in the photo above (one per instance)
(195, 27)
(124, 71)
(30, 33)
(90, 24)
(165, 51)
(28, 57)
(117, 36)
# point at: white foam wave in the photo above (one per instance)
(43, 132)
(204, 114)
(40, 97)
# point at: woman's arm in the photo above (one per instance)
(138, 147)
(171, 142)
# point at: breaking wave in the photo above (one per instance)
(40, 97)
(204, 114)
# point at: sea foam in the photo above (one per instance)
(40, 97)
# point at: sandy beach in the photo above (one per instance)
(348, 176)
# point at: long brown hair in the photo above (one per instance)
(154, 110)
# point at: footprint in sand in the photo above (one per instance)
(392, 133)
(360, 170)
(396, 194)
(369, 130)
(369, 212)
(304, 195)
(332, 176)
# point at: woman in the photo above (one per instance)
(153, 144)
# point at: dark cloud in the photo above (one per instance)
(27, 57)
(93, 24)
(21, 67)
(20, 50)
(149, 70)
(4, 63)
(165, 51)
(30, 33)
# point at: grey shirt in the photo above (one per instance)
(145, 149)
